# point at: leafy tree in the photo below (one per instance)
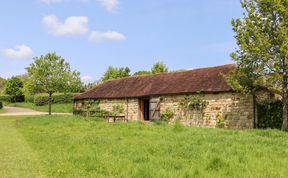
(142, 72)
(24, 77)
(116, 73)
(159, 67)
(2, 84)
(14, 87)
(262, 55)
(50, 74)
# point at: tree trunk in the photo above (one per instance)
(49, 103)
(255, 112)
(285, 106)
(285, 122)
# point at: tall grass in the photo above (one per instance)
(73, 147)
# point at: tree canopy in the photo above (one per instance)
(116, 73)
(262, 54)
(159, 67)
(2, 85)
(50, 74)
(13, 87)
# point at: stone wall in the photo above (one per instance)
(228, 110)
(107, 104)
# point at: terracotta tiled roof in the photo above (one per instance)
(206, 80)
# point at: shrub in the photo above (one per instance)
(19, 98)
(220, 120)
(6, 98)
(167, 115)
(43, 99)
(118, 109)
(269, 114)
(1, 105)
(91, 108)
(29, 98)
(9, 99)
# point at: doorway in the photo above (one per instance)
(145, 109)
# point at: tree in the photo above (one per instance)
(116, 73)
(159, 67)
(142, 72)
(14, 87)
(50, 74)
(262, 54)
(2, 84)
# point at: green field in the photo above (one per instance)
(58, 108)
(2, 111)
(67, 146)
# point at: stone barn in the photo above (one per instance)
(199, 97)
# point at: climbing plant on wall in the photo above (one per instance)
(190, 103)
(118, 109)
(167, 114)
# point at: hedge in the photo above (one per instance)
(1, 105)
(5, 98)
(8, 98)
(270, 114)
(43, 99)
(20, 98)
(29, 98)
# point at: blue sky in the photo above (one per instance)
(94, 34)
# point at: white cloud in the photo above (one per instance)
(109, 5)
(74, 25)
(20, 52)
(110, 35)
(87, 79)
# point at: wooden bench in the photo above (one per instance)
(116, 118)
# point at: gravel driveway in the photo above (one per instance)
(16, 111)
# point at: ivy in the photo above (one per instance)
(220, 120)
(193, 103)
(167, 114)
(118, 109)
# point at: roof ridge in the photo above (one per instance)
(165, 73)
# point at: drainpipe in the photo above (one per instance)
(255, 116)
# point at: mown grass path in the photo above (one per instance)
(17, 158)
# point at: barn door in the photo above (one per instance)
(154, 108)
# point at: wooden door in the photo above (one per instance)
(144, 105)
(154, 109)
(141, 109)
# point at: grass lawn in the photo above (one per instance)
(68, 146)
(59, 108)
(2, 111)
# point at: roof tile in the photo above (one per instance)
(206, 80)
